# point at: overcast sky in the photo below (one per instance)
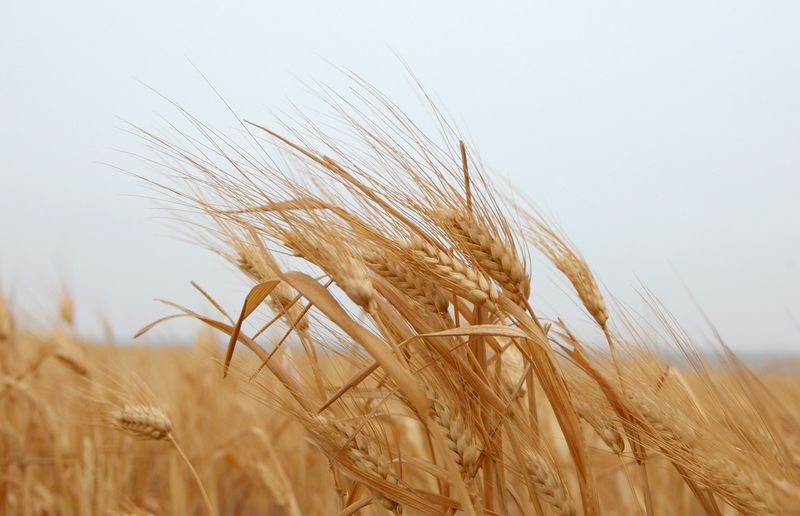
(664, 137)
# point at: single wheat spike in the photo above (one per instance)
(739, 487)
(152, 423)
(460, 440)
(407, 281)
(601, 424)
(66, 309)
(462, 279)
(670, 428)
(344, 269)
(575, 269)
(365, 452)
(582, 279)
(548, 485)
(71, 362)
(143, 421)
(247, 266)
(495, 257)
(282, 496)
(6, 321)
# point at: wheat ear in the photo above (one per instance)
(669, 428)
(152, 423)
(344, 269)
(548, 485)
(461, 278)
(460, 440)
(731, 481)
(365, 452)
(276, 483)
(6, 321)
(601, 424)
(407, 281)
(143, 421)
(739, 487)
(582, 279)
(495, 257)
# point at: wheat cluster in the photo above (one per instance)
(395, 359)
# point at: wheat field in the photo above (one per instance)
(388, 357)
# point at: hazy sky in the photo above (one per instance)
(664, 137)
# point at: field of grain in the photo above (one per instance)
(388, 358)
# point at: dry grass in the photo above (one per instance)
(397, 364)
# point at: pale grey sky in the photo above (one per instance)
(663, 136)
